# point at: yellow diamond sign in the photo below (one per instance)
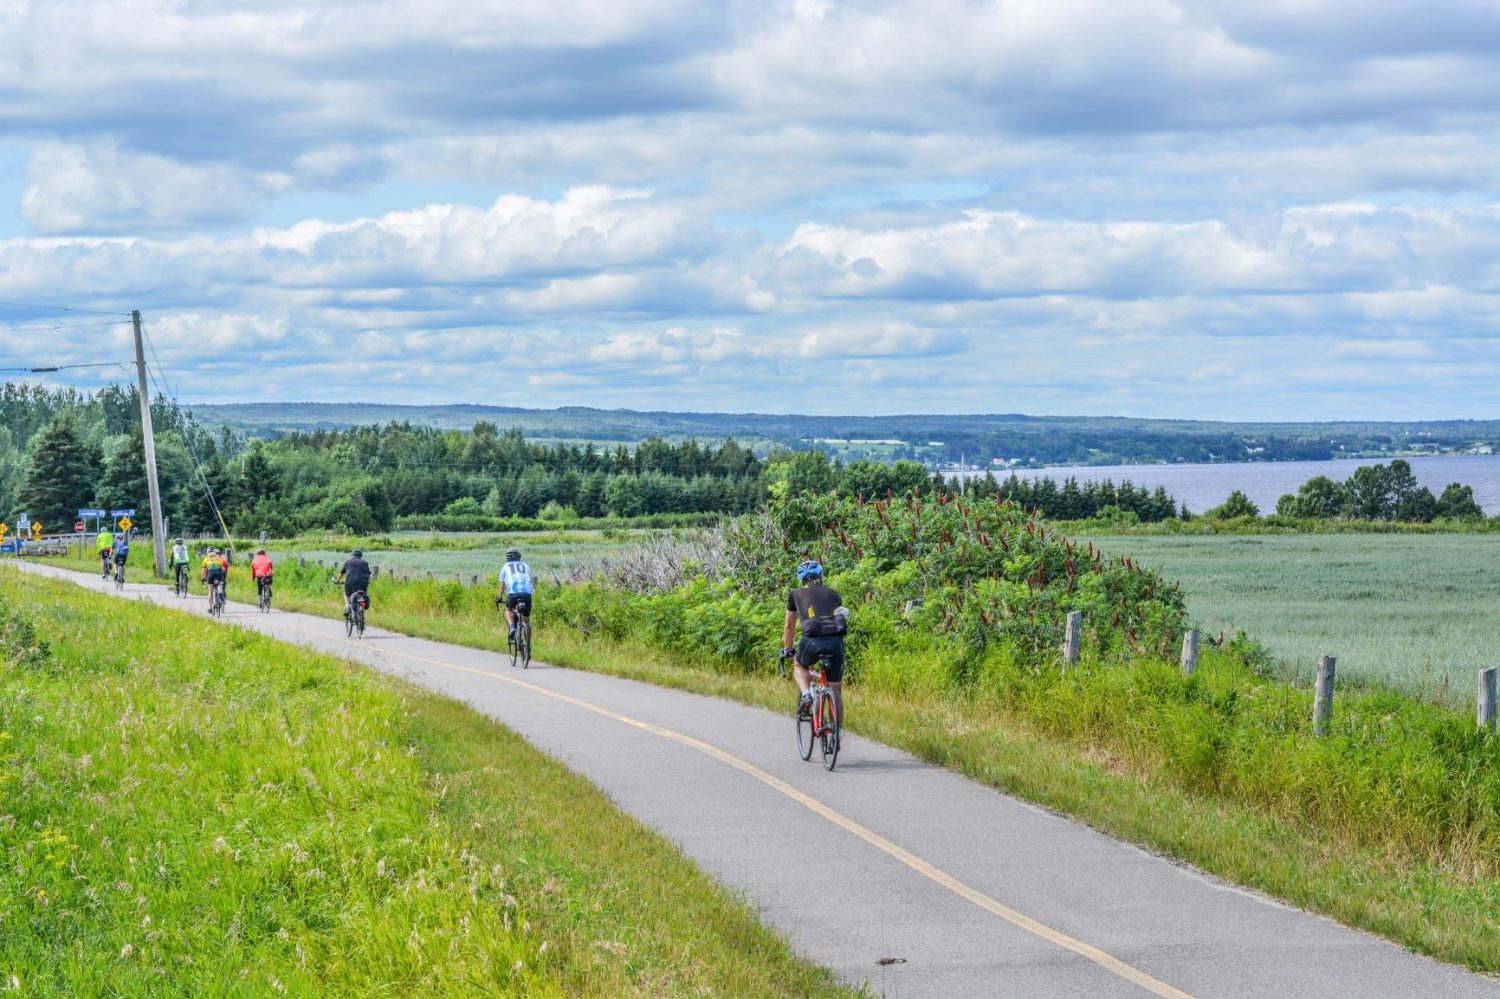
(4, 527)
(36, 529)
(126, 523)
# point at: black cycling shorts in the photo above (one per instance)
(520, 603)
(810, 650)
(215, 575)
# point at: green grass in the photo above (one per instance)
(190, 810)
(1413, 611)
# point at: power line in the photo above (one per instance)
(74, 326)
(153, 370)
(63, 308)
(67, 367)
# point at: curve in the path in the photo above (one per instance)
(903, 862)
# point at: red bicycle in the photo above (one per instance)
(818, 724)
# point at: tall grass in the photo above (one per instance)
(1408, 611)
(192, 810)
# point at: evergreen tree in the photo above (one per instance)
(62, 474)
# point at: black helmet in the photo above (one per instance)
(514, 555)
(358, 553)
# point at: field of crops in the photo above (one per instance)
(1416, 611)
(469, 554)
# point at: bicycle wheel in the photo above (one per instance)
(806, 733)
(512, 646)
(830, 733)
(119, 577)
(523, 633)
(359, 618)
(349, 621)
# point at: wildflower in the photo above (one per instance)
(126, 951)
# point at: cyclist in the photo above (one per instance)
(179, 558)
(515, 589)
(105, 547)
(215, 572)
(820, 612)
(261, 571)
(355, 575)
(122, 548)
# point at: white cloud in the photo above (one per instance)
(1011, 204)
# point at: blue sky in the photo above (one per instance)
(1285, 210)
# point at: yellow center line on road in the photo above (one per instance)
(1105, 960)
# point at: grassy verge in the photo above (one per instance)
(189, 812)
(1369, 826)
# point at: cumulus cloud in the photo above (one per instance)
(1164, 207)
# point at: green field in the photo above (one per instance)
(1415, 611)
(480, 555)
(193, 810)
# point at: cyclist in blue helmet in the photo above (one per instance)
(819, 611)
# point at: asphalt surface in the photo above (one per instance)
(894, 873)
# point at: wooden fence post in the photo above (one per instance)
(1190, 652)
(301, 563)
(1072, 638)
(1323, 696)
(1486, 714)
(473, 580)
(374, 572)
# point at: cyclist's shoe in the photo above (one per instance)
(804, 706)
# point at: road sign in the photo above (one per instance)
(78, 527)
(123, 513)
(3, 528)
(126, 523)
(36, 528)
(90, 513)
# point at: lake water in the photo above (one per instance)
(1205, 486)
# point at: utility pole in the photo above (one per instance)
(158, 540)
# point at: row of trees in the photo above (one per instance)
(1379, 492)
(60, 450)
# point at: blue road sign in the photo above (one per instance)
(90, 513)
(122, 513)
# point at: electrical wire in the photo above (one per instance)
(63, 308)
(164, 388)
(74, 326)
(67, 367)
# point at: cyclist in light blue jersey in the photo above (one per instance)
(515, 588)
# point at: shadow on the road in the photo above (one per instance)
(857, 765)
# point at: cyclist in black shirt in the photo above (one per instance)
(355, 575)
(820, 612)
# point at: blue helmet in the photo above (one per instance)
(809, 569)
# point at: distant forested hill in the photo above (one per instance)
(930, 438)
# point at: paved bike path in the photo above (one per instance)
(973, 893)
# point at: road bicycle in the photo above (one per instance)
(818, 726)
(119, 575)
(354, 617)
(264, 599)
(518, 644)
(180, 581)
(216, 599)
(106, 558)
